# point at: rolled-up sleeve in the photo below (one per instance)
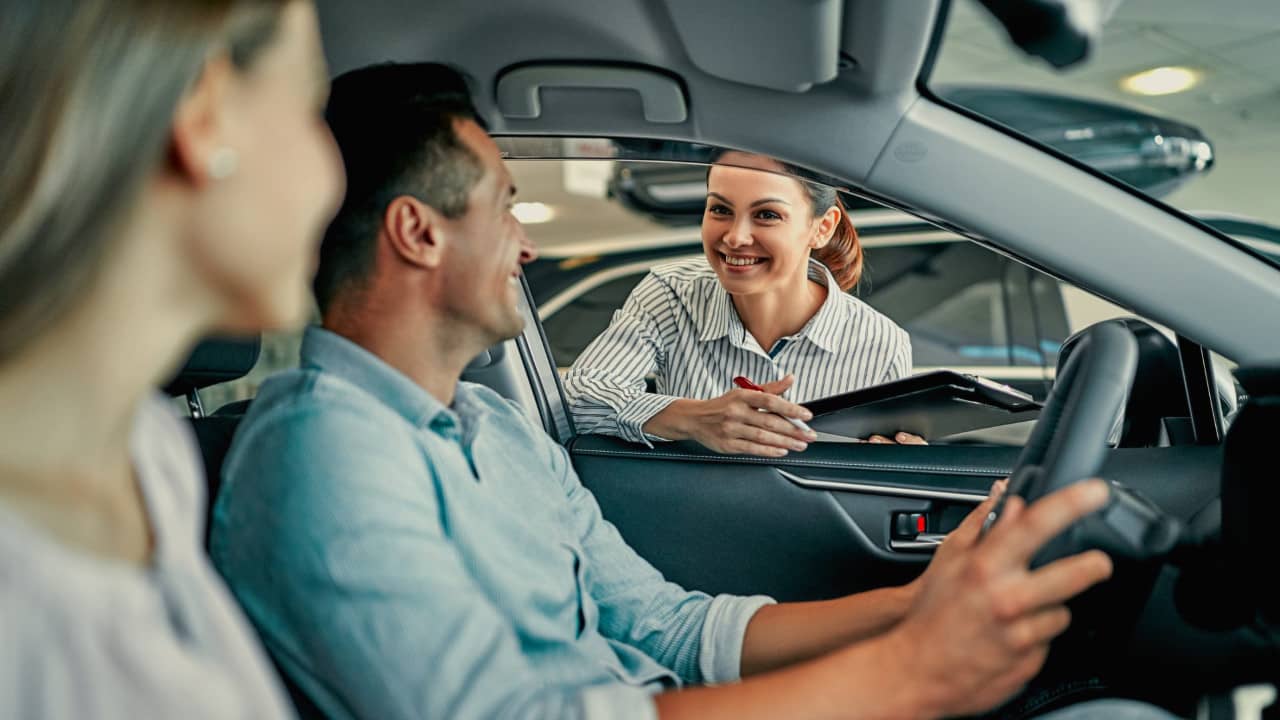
(342, 561)
(606, 385)
(695, 635)
(723, 634)
(618, 702)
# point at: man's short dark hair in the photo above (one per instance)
(394, 124)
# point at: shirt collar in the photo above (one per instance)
(720, 317)
(832, 320)
(823, 329)
(332, 353)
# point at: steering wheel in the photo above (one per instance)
(1070, 443)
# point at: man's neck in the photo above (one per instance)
(428, 350)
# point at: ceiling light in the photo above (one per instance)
(532, 213)
(1161, 80)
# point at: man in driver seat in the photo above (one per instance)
(413, 546)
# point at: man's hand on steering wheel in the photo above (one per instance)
(981, 625)
(960, 540)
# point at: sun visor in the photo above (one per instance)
(788, 46)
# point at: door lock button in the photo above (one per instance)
(909, 525)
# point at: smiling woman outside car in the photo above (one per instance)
(767, 302)
(167, 175)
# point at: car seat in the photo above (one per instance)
(1156, 398)
(214, 361)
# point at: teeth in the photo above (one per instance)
(742, 261)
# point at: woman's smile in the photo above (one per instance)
(739, 263)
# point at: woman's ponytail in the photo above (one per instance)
(843, 253)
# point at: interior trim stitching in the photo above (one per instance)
(889, 467)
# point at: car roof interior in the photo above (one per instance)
(740, 73)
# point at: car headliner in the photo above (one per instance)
(870, 127)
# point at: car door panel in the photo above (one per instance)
(739, 525)
(819, 524)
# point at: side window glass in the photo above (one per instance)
(1050, 316)
(949, 296)
(602, 226)
(1024, 350)
(576, 323)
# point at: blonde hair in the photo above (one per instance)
(88, 90)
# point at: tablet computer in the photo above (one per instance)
(932, 405)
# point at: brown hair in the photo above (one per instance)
(88, 89)
(843, 253)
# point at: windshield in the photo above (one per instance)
(1180, 99)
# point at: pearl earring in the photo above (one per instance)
(223, 163)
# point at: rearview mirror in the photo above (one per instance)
(1063, 32)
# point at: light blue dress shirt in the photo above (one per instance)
(403, 559)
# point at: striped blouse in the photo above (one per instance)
(680, 325)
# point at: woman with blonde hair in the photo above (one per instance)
(168, 173)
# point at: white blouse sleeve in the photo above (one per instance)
(606, 385)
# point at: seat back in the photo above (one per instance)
(214, 434)
(214, 361)
(1155, 394)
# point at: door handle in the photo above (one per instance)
(972, 498)
(923, 543)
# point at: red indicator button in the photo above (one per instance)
(920, 523)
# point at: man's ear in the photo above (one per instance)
(414, 230)
(199, 129)
(826, 227)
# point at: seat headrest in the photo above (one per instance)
(216, 360)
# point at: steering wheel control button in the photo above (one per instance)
(1133, 527)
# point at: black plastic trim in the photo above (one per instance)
(556, 419)
(935, 40)
(876, 488)
(1202, 393)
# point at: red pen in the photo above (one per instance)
(746, 384)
